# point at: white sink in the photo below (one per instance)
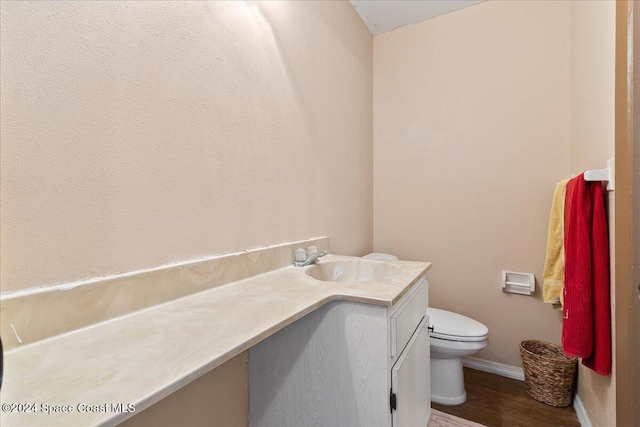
(352, 271)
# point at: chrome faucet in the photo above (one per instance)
(308, 257)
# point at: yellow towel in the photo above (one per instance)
(554, 260)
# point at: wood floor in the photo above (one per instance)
(497, 401)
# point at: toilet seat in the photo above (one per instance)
(451, 326)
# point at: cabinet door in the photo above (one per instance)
(410, 380)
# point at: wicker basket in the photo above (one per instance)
(549, 375)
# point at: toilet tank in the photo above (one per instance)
(380, 256)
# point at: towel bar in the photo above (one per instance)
(607, 174)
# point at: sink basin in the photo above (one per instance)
(352, 271)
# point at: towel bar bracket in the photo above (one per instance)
(607, 174)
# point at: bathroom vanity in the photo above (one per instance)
(330, 344)
(347, 363)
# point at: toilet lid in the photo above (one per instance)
(455, 327)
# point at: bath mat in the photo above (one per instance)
(440, 419)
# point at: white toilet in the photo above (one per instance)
(453, 337)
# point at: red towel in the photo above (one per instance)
(586, 329)
(577, 326)
(600, 359)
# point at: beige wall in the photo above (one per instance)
(218, 398)
(471, 133)
(593, 32)
(135, 134)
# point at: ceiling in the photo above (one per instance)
(385, 15)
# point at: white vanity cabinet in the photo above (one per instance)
(346, 364)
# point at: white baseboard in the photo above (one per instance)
(581, 411)
(494, 368)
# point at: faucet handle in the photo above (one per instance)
(301, 255)
(311, 250)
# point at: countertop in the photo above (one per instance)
(144, 356)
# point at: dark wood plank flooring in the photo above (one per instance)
(497, 401)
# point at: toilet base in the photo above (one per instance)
(447, 382)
